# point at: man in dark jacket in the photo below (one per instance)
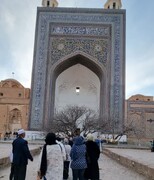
(21, 154)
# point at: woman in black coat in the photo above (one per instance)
(93, 153)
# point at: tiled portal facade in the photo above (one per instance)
(94, 38)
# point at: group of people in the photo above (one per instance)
(56, 157)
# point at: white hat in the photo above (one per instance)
(90, 137)
(21, 131)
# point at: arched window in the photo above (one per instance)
(48, 3)
(114, 5)
(15, 116)
(15, 86)
(5, 85)
(1, 94)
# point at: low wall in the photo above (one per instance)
(134, 165)
(6, 160)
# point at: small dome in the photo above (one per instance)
(140, 97)
(113, 4)
(11, 83)
(49, 3)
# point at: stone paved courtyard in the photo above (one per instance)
(109, 169)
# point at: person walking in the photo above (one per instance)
(78, 158)
(51, 160)
(59, 141)
(21, 154)
(93, 153)
(67, 161)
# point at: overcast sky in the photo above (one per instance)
(17, 27)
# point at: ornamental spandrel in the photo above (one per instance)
(61, 47)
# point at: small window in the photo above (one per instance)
(114, 5)
(77, 90)
(19, 94)
(48, 3)
(148, 99)
(137, 99)
(1, 94)
(108, 7)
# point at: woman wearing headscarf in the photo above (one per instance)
(93, 153)
(51, 159)
(78, 157)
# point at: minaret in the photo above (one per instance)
(49, 3)
(113, 4)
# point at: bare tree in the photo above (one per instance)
(91, 122)
(72, 117)
(133, 129)
(109, 126)
(130, 128)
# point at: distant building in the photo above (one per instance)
(14, 106)
(139, 115)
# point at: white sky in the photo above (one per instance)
(17, 27)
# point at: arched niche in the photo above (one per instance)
(15, 119)
(55, 70)
(77, 86)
